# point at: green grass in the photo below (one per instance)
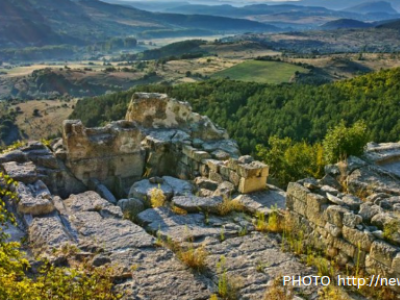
(261, 71)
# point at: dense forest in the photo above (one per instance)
(253, 112)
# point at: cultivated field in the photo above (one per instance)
(261, 71)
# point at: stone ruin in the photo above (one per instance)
(82, 190)
(159, 137)
(90, 190)
(353, 213)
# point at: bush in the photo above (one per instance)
(291, 161)
(341, 142)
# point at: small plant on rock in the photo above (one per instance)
(194, 258)
(279, 292)
(227, 206)
(228, 288)
(157, 197)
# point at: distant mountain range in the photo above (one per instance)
(372, 8)
(46, 22)
(330, 4)
(289, 14)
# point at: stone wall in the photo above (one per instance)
(160, 137)
(353, 232)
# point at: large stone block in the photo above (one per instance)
(198, 156)
(298, 191)
(234, 178)
(215, 177)
(345, 247)
(213, 164)
(316, 206)
(361, 239)
(253, 169)
(295, 205)
(254, 184)
(383, 252)
(334, 214)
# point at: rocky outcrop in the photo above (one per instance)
(160, 137)
(353, 211)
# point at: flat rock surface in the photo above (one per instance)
(264, 201)
(196, 204)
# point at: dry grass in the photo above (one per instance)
(227, 206)
(179, 211)
(194, 258)
(52, 113)
(279, 292)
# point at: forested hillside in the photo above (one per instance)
(253, 112)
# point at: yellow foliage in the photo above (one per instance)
(157, 197)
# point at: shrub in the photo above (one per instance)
(157, 197)
(291, 161)
(341, 141)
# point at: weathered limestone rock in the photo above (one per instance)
(131, 207)
(198, 204)
(383, 252)
(335, 214)
(157, 110)
(180, 187)
(142, 190)
(47, 232)
(263, 202)
(25, 172)
(360, 239)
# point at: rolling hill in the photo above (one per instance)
(47, 22)
(345, 23)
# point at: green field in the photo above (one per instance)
(261, 71)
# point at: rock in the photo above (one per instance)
(131, 207)
(334, 214)
(142, 189)
(329, 190)
(361, 239)
(352, 201)
(383, 252)
(47, 232)
(220, 155)
(263, 202)
(204, 183)
(180, 187)
(310, 183)
(334, 199)
(102, 190)
(368, 210)
(35, 206)
(246, 159)
(333, 230)
(377, 198)
(252, 184)
(198, 204)
(381, 219)
(378, 234)
(330, 181)
(100, 260)
(225, 189)
(15, 155)
(156, 180)
(25, 172)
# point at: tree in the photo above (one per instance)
(341, 141)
